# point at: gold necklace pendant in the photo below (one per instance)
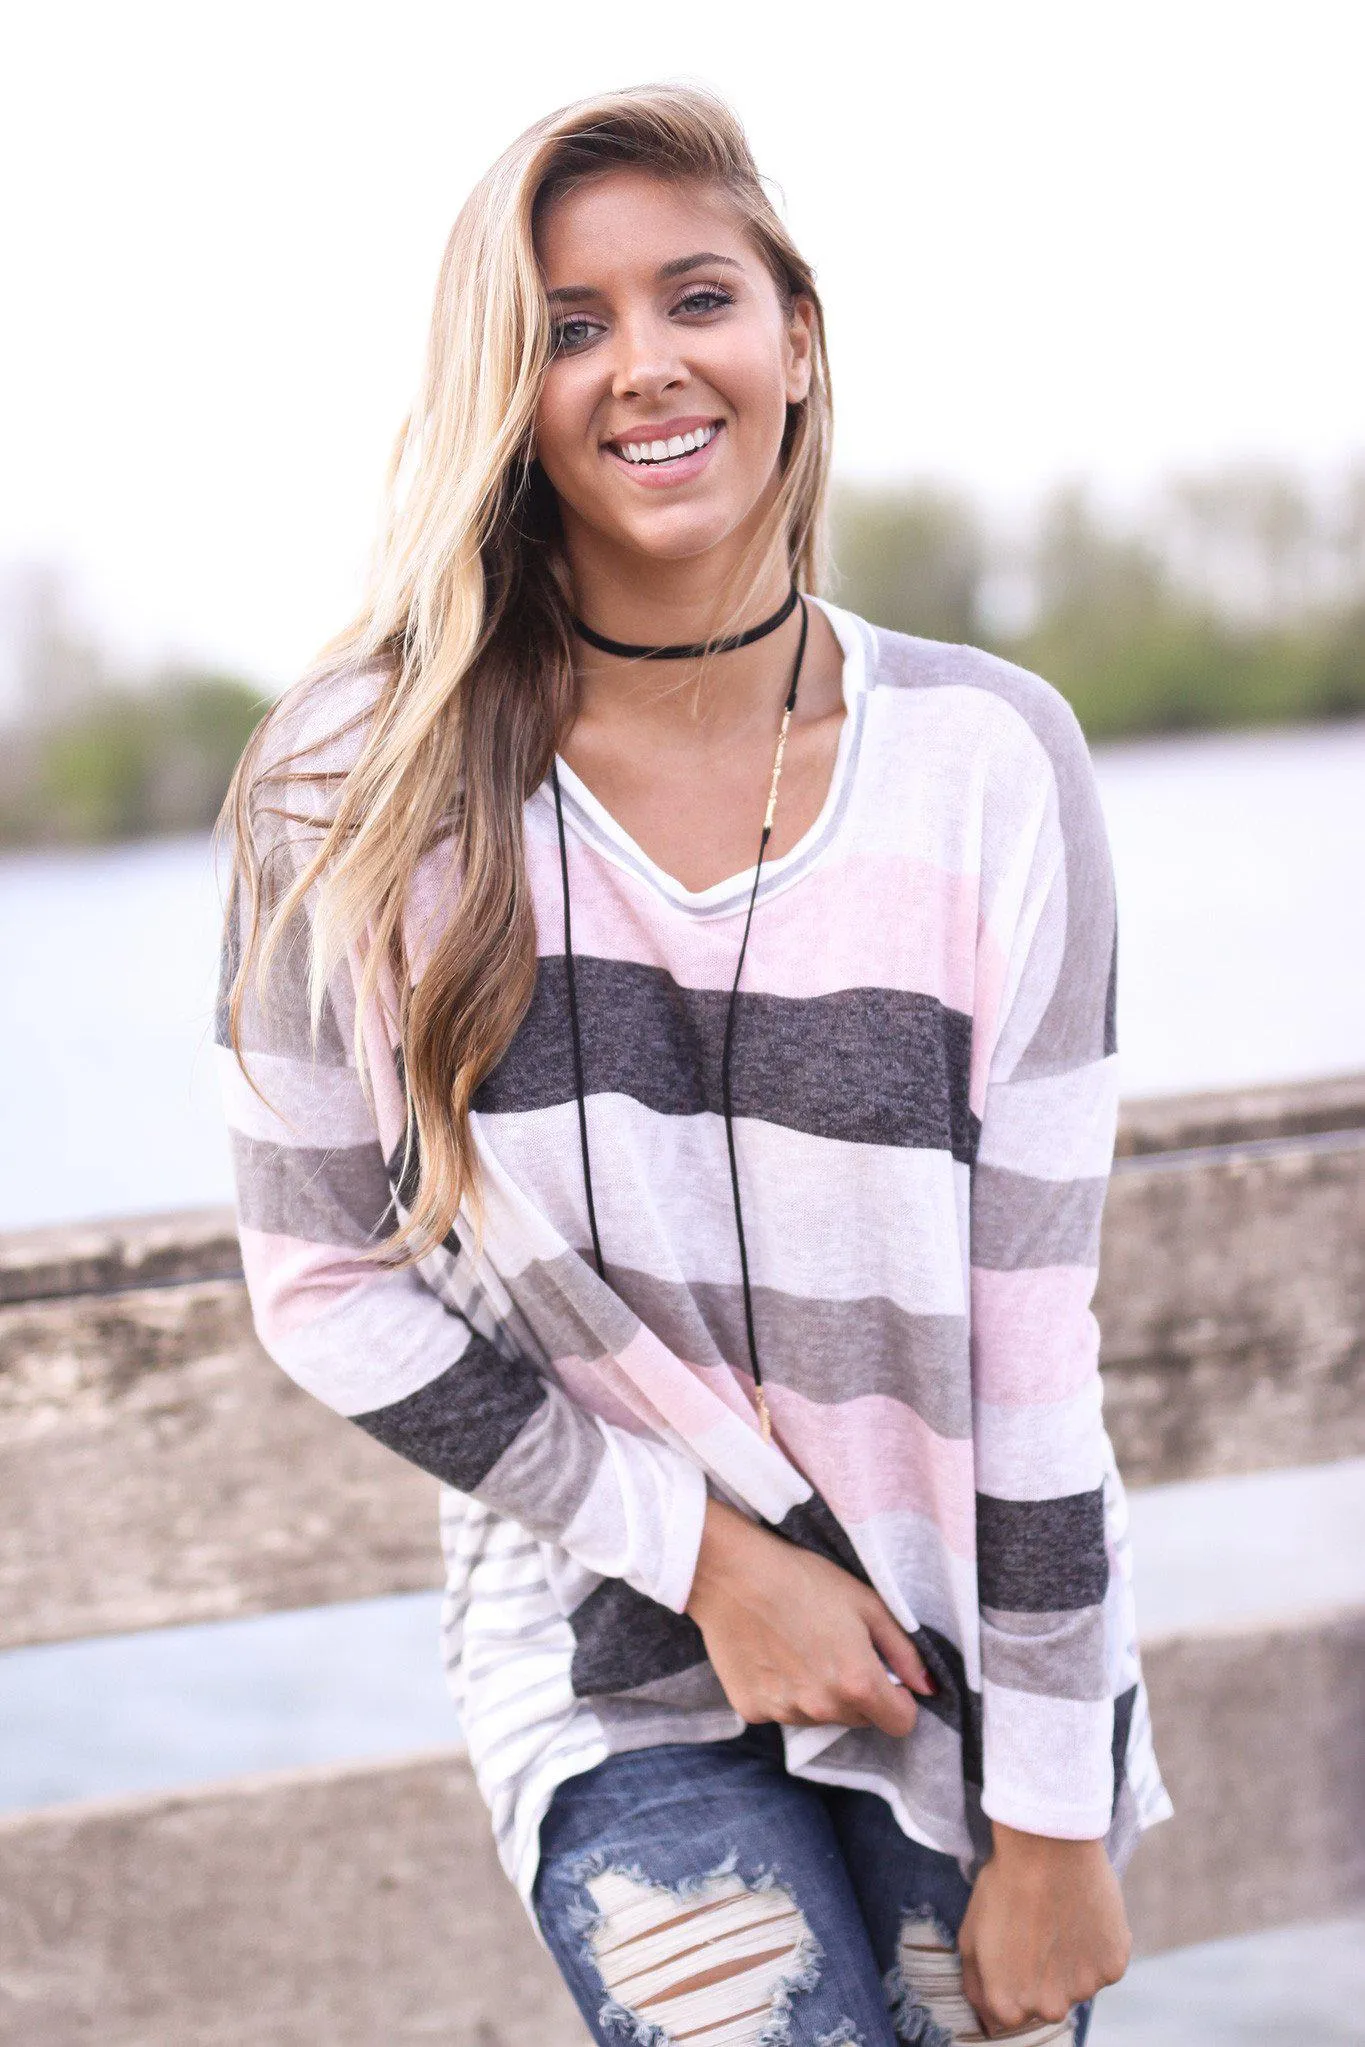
(765, 1420)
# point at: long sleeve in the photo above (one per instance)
(1047, 961)
(383, 1348)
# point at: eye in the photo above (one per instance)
(572, 334)
(704, 298)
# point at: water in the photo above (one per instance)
(1238, 856)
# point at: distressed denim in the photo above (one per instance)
(696, 1892)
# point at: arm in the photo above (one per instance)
(1045, 1928)
(381, 1348)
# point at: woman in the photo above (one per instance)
(673, 1079)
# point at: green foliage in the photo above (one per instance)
(124, 763)
(1242, 604)
(910, 559)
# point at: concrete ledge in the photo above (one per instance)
(359, 1907)
(1261, 1737)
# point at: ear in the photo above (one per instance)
(800, 348)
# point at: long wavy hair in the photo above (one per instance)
(466, 625)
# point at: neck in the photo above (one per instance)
(677, 603)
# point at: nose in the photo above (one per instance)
(647, 361)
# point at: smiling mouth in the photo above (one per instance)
(663, 454)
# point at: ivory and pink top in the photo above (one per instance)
(925, 1084)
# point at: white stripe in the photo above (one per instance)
(809, 1191)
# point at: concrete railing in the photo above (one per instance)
(156, 1469)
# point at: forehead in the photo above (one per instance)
(631, 218)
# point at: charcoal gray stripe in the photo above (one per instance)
(461, 1424)
(1041, 1556)
(624, 1639)
(865, 1065)
(1123, 1727)
(1078, 1025)
(1019, 1221)
(1061, 1655)
(339, 1196)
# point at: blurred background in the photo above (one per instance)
(1097, 338)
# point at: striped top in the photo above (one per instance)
(925, 1087)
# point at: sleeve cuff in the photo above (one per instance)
(1056, 1822)
(682, 1540)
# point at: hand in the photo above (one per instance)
(1045, 1929)
(794, 1638)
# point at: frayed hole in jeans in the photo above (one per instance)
(932, 2010)
(713, 1964)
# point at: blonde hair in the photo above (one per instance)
(467, 625)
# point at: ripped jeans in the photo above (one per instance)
(697, 1893)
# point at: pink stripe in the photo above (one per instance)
(292, 1282)
(875, 1455)
(599, 1385)
(915, 928)
(1034, 1336)
(646, 1383)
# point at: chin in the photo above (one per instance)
(680, 532)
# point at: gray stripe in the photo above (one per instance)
(1020, 1222)
(827, 1351)
(629, 1727)
(280, 1025)
(926, 1770)
(1060, 1655)
(695, 1689)
(569, 1311)
(546, 1472)
(1078, 1025)
(331, 1197)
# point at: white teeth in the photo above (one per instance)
(667, 451)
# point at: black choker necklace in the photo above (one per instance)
(697, 648)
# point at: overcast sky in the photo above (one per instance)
(1054, 237)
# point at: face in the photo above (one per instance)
(661, 421)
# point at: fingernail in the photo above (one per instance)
(930, 1684)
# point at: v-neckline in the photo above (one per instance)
(592, 821)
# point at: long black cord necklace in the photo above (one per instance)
(678, 653)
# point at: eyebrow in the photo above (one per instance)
(680, 265)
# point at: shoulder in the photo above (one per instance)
(318, 727)
(1015, 715)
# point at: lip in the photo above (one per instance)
(682, 468)
(662, 429)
